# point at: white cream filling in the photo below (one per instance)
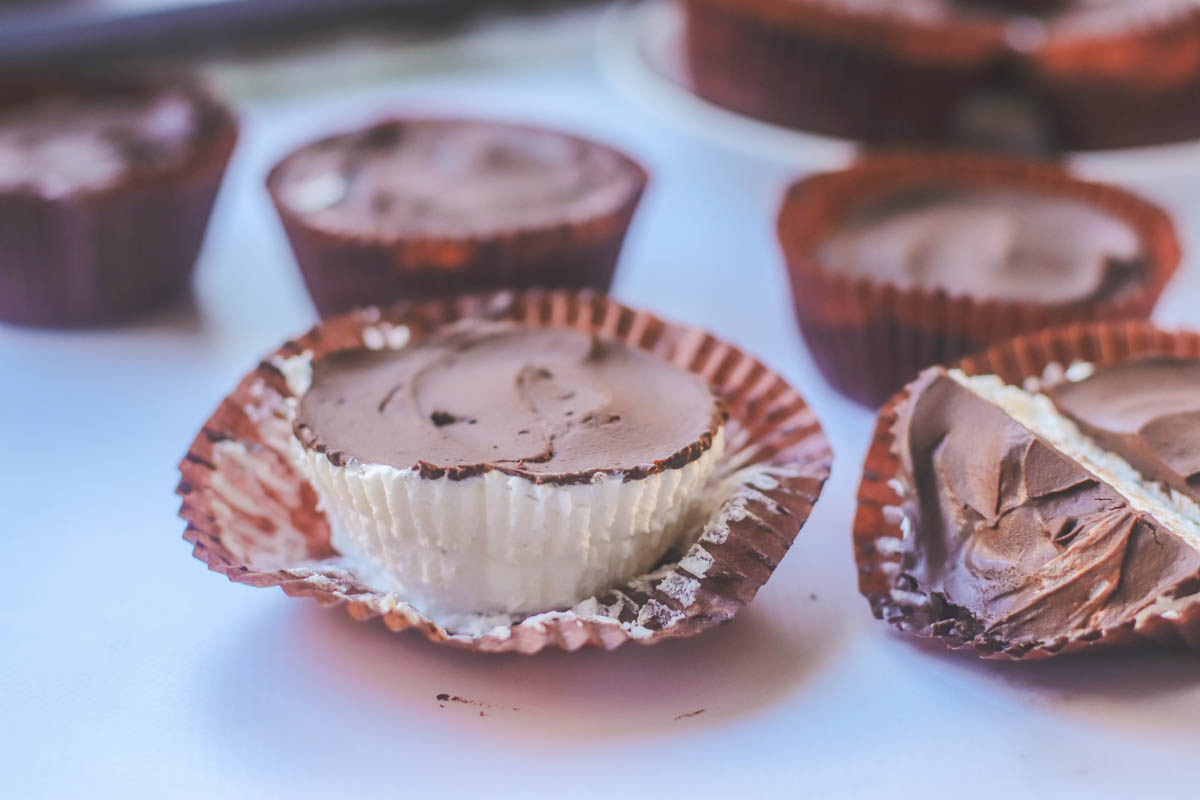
(502, 544)
(1037, 412)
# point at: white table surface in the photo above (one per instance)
(129, 670)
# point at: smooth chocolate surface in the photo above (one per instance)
(1013, 540)
(447, 177)
(1001, 244)
(1146, 411)
(60, 144)
(549, 404)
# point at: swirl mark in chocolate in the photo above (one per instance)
(549, 404)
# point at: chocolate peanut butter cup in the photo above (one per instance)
(1060, 74)
(1040, 498)
(106, 185)
(419, 208)
(506, 472)
(904, 261)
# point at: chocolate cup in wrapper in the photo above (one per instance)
(252, 517)
(870, 338)
(1135, 87)
(879, 76)
(872, 77)
(97, 255)
(1170, 622)
(344, 270)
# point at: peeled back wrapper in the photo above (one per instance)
(252, 517)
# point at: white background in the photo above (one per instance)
(128, 670)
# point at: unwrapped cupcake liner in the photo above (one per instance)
(869, 338)
(252, 516)
(344, 270)
(100, 255)
(1169, 621)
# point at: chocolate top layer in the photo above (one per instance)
(57, 145)
(1004, 244)
(446, 177)
(548, 404)
(1147, 412)
(1015, 541)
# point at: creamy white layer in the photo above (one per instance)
(1037, 413)
(497, 543)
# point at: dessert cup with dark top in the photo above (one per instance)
(1064, 74)
(1040, 498)
(508, 472)
(106, 186)
(903, 261)
(409, 209)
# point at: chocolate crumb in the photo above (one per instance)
(690, 714)
(444, 418)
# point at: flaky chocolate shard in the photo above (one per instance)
(1020, 534)
(1148, 411)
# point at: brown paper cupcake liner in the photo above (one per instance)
(812, 67)
(882, 78)
(343, 270)
(253, 518)
(869, 338)
(1171, 622)
(1134, 88)
(100, 255)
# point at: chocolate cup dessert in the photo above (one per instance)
(904, 261)
(411, 209)
(1040, 498)
(269, 483)
(495, 468)
(1059, 74)
(106, 186)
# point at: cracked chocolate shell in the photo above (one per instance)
(1041, 498)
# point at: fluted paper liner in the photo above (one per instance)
(882, 76)
(251, 517)
(346, 269)
(870, 338)
(103, 253)
(813, 66)
(894, 597)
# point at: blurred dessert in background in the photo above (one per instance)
(1029, 76)
(904, 261)
(106, 185)
(417, 208)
